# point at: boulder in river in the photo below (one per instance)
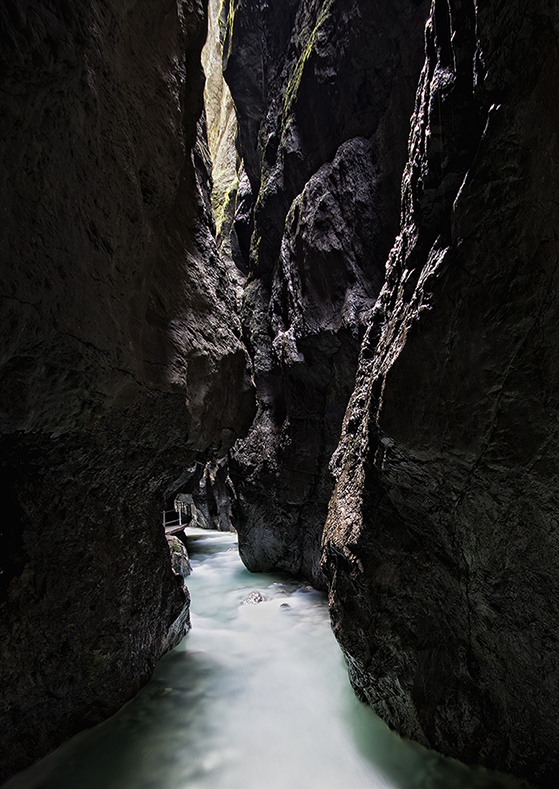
(253, 598)
(179, 556)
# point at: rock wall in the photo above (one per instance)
(222, 131)
(121, 361)
(324, 92)
(442, 543)
(123, 368)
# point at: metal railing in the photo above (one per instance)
(176, 521)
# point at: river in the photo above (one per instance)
(255, 697)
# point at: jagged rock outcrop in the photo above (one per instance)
(324, 92)
(179, 556)
(442, 544)
(121, 358)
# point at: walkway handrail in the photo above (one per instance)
(177, 521)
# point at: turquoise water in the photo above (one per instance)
(255, 697)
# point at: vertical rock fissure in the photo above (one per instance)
(221, 122)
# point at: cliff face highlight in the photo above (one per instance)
(323, 92)
(441, 543)
(121, 361)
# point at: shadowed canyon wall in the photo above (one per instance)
(121, 361)
(324, 92)
(442, 541)
(428, 302)
(441, 544)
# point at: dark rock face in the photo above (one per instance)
(324, 92)
(121, 358)
(442, 544)
(212, 496)
(179, 556)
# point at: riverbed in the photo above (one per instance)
(255, 697)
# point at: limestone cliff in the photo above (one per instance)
(442, 541)
(324, 92)
(124, 377)
(121, 360)
(222, 131)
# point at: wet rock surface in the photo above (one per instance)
(179, 555)
(324, 92)
(121, 360)
(441, 545)
(253, 598)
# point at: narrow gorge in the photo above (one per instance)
(321, 305)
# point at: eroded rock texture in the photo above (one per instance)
(120, 353)
(222, 131)
(442, 542)
(324, 92)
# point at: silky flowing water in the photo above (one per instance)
(255, 697)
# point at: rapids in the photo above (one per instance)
(255, 697)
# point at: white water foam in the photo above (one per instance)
(255, 697)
